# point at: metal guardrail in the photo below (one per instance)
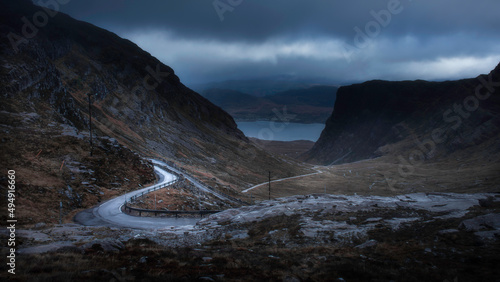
(183, 174)
(133, 198)
(156, 212)
(176, 213)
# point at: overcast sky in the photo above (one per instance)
(342, 41)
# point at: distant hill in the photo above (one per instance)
(317, 96)
(263, 86)
(308, 105)
(232, 99)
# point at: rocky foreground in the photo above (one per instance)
(410, 237)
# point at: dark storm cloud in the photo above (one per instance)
(342, 40)
(261, 19)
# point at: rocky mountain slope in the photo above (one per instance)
(306, 105)
(435, 118)
(53, 166)
(47, 71)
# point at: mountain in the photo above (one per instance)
(261, 87)
(316, 96)
(139, 108)
(308, 105)
(430, 120)
(232, 100)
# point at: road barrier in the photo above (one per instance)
(129, 209)
(176, 213)
(183, 174)
(133, 198)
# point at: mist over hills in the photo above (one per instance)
(307, 105)
(265, 86)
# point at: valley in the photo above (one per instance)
(125, 173)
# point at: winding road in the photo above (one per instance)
(194, 181)
(110, 212)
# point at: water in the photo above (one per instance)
(269, 130)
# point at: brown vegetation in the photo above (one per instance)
(52, 167)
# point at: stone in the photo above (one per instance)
(107, 245)
(367, 244)
(483, 222)
(40, 225)
(143, 259)
(206, 259)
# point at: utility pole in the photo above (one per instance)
(90, 124)
(269, 185)
(60, 212)
(199, 201)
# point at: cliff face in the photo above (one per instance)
(137, 103)
(371, 115)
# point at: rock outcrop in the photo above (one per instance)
(368, 116)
